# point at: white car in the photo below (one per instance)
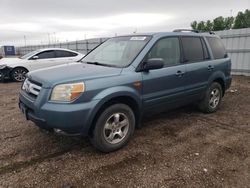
(16, 68)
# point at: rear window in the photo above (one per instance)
(192, 49)
(217, 47)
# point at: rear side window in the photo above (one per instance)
(192, 49)
(168, 49)
(62, 53)
(217, 47)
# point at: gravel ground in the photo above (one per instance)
(182, 148)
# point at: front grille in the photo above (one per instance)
(31, 88)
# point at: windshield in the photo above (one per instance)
(29, 54)
(118, 51)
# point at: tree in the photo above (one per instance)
(209, 25)
(218, 24)
(201, 26)
(194, 25)
(228, 22)
(242, 20)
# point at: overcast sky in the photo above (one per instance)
(61, 20)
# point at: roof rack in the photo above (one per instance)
(194, 31)
(190, 30)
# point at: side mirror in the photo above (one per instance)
(35, 57)
(154, 63)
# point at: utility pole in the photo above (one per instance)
(24, 37)
(55, 36)
(49, 38)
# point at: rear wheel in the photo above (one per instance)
(113, 128)
(212, 99)
(18, 74)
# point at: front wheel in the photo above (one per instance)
(113, 128)
(18, 74)
(212, 98)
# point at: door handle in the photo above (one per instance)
(210, 67)
(179, 73)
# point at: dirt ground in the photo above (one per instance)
(182, 148)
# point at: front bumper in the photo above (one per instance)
(71, 119)
(5, 73)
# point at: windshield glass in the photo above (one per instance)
(118, 51)
(29, 54)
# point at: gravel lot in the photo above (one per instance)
(182, 148)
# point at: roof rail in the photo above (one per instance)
(190, 30)
(194, 30)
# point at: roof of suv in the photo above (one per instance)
(179, 33)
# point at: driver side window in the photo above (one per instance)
(168, 49)
(46, 54)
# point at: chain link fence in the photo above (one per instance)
(82, 46)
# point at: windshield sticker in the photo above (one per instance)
(138, 38)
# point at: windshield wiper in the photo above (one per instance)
(97, 63)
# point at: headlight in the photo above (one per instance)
(67, 92)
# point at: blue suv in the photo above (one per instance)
(107, 93)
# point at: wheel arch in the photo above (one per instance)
(129, 100)
(222, 83)
(17, 67)
(218, 77)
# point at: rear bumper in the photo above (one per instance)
(70, 119)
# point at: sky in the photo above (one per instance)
(48, 21)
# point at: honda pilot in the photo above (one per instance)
(106, 95)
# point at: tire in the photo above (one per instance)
(212, 99)
(114, 128)
(18, 74)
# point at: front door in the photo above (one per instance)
(43, 59)
(164, 88)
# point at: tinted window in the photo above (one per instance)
(217, 47)
(62, 53)
(46, 54)
(168, 49)
(205, 50)
(192, 49)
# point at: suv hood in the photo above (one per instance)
(71, 72)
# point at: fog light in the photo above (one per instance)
(59, 131)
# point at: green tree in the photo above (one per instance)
(228, 22)
(242, 20)
(218, 24)
(201, 26)
(194, 25)
(209, 25)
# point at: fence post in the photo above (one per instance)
(87, 46)
(76, 45)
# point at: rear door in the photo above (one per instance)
(163, 88)
(198, 62)
(63, 56)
